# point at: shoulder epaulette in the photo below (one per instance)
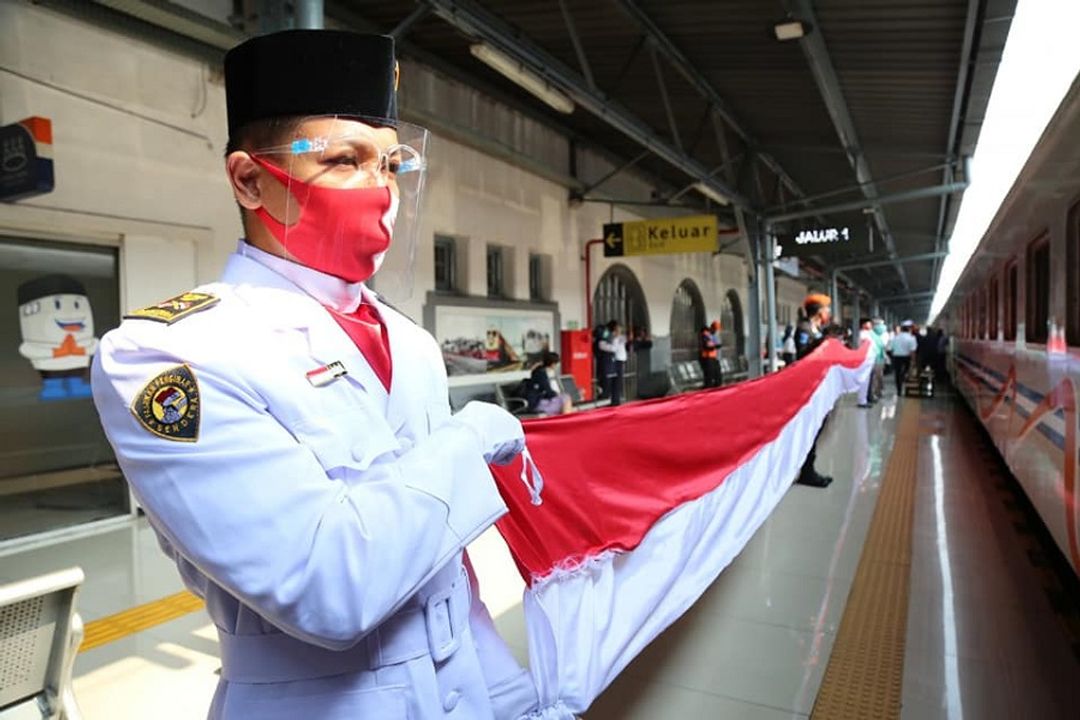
(176, 308)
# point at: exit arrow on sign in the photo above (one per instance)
(613, 240)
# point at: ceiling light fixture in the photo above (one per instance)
(526, 79)
(790, 30)
(713, 195)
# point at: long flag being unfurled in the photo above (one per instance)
(645, 504)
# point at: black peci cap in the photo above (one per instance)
(310, 72)
(49, 285)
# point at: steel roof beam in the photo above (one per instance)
(676, 57)
(616, 171)
(817, 55)
(860, 186)
(881, 263)
(579, 49)
(909, 297)
(876, 202)
(665, 99)
(473, 20)
(953, 140)
(403, 27)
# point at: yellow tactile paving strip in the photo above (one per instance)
(138, 618)
(864, 677)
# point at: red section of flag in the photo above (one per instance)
(610, 474)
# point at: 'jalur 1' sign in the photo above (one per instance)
(693, 233)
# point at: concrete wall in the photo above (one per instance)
(139, 132)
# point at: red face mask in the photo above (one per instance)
(341, 232)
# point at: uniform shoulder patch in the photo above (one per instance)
(176, 308)
(169, 406)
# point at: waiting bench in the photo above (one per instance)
(734, 369)
(40, 633)
(686, 376)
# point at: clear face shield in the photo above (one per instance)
(349, 199)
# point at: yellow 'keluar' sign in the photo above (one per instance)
(693, 233)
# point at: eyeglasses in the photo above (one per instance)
(356, 155)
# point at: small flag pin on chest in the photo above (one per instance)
(326, 374)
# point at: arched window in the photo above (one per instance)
(732, 332)
(619, 297)
(687, 319)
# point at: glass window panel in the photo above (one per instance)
(1072, 277)
(445, 264)
(1038, 290)
(1011, 287)
(56, 467)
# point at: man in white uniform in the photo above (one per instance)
(289, 434)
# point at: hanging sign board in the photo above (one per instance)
(26, 166)
(692, 233)
(816, 236)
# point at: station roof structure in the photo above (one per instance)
(879, 99)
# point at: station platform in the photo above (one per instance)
(835, 606)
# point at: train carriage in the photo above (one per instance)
(1014, 318)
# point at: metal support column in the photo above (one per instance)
(856, 317)
(770, 296)
(272, 16)
(834, 295)
(309, 14)
(753, 299)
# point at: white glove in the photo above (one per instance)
(501, 435)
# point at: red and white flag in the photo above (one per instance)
(644, 505)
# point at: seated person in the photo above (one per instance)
(543, 391)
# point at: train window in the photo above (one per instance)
(1012, 274)
(1072, 276)
(992, 310)
(980, 300)
(971, 316)
(1038, 289)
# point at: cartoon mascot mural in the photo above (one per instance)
(57, 327)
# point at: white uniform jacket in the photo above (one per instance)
(323, 525)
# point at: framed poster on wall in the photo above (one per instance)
(480, 342)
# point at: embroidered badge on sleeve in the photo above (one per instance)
(169, 405)
(177, 308)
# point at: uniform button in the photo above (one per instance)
(451, 700)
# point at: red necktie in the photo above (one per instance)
(368, 332)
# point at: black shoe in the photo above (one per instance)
(812, 478)
(865, 405)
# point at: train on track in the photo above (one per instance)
(1014, 320)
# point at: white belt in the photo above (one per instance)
(433, 630)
